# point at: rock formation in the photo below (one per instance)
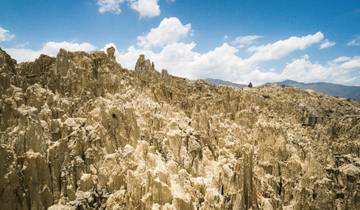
(143, 64)
(111, 52)
(80, 132)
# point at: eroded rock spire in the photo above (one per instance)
(111, 53)
(143, 64)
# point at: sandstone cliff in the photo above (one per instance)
(80, 132)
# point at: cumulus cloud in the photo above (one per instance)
(340, 59)
(326, 44)
(112, 6)
(145, 8)
(283, 48)
(223, 62)
(169, 31)
(52, 48)
(165, 46)
(351, 63)
(5, 35)
(304, 70)
(245, 41)
(22, 54)
(49, 48)
(343, 70)
(181, 59)
(354, 42)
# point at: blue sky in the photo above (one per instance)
(236, 40)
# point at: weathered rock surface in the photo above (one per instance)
(80, 132)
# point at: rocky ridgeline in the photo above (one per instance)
(80, 132)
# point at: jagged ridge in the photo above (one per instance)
(80, 132)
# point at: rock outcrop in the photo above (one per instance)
(111, 53)
(143, 64)
(80, 132)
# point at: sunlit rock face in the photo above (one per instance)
(80, 132)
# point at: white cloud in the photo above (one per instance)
(165, 47)
(170, 30)
(49, 48)
(304, 70)
(342, 70)
(52, 48)
(5, 35)
(340, 59)
(245, 41)
(146, 8)
(22, 55)
(354, 42)
(222, 62)
(112, 6)
(182, 59)
(352, 63)
(326, 44)
(283, 48)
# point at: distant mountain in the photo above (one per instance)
(327, 88)
(323, 87)
(224, 83)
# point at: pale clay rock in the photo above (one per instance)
(80, 132)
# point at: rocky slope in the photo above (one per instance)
(80, 132)
(220, 82)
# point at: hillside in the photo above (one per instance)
(224, 83)
(327, 88)
(330, 89)
(79, 131)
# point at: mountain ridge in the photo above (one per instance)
(331, 89)
(327, 88)
(224, 83)
(79, 131)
